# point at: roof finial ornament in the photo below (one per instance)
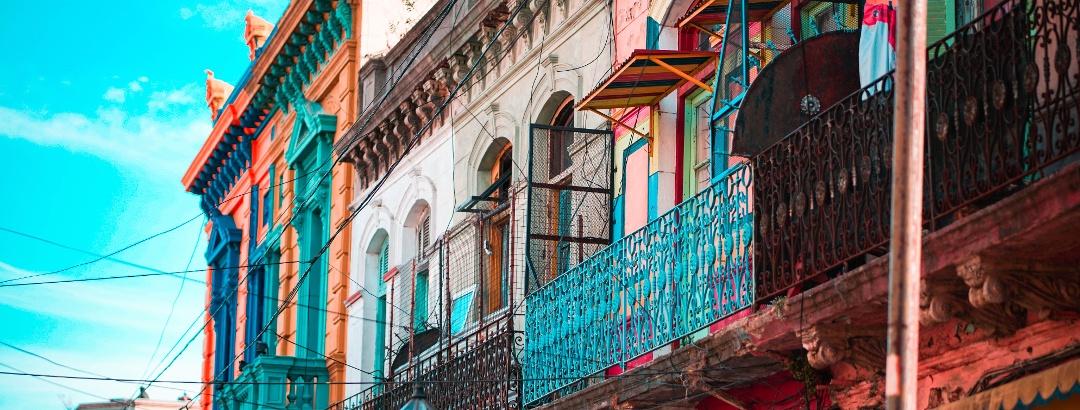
(256, 32)
(217, 92)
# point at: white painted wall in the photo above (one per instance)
(422, 176)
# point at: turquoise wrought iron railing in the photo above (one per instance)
(679, 274)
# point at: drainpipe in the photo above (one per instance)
(909, 122)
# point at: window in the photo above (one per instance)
(311, 321)
(504, 166)
(559, 141)
(268, 200)
(697, 146)
(823, 16)
(460, 309)
(497, 249)
(967, 10)
(423, 233)
(380, 309)
(420, 302)
(561, 160)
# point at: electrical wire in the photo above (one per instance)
(44, 378)
(120, 261)
(373, 190)
(172, 309)
(142, 275)
(304, 203)
(102, 257)
(631, 375)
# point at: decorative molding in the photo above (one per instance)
(827, 345)
(945, 299)
(1035, 285)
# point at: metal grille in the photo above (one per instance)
(1001, 113)
(820, 17)
(569, 199)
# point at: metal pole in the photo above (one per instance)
(909, 122)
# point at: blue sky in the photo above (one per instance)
(101, 109)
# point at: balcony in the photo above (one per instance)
(1001, 114)
(677, 275)
(277, 382)
(478, 370)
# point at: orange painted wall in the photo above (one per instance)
(334, 88)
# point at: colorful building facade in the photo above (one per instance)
(274, 195)
(640, 204)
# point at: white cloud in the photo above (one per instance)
(143, 79)
(161, 140)
(134, 86)
(227, 14)
(165, 100)
(113, 297)
(130, 311)
(116, 95)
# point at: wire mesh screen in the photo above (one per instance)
(732, 70)
(462, 255)
(569, 205)
(776, 34)
(819, 17)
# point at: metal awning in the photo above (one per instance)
(713, 12)
(645, 78)
(493, 194)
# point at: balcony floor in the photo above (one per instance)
(1038, 224)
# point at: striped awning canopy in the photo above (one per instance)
(712, 12)
(647, 77)
(1054, 388)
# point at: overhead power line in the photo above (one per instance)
(110, 259)
(103, 257)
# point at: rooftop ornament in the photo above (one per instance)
(256, 31)
(216, 93)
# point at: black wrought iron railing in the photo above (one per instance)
(476, 371)
(1002, 111)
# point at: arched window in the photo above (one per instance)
(383, 266)
(560, 161)
(559, 141)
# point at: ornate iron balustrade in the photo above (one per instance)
(277, 382)
(682, 272)
(1002, 110)
(822, 193)
(476, 371)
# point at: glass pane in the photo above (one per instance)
(460, 312)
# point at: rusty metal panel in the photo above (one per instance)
(798, 84)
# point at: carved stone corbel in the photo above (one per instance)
(562, 7)
(389, 142)
(942, 299)
(1035, 285)
(419, 99)
(939, 300)
(402, 130)
(543, 9)
(459, 66)
(409, 117)
(827, 345)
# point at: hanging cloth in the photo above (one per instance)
(877, 42)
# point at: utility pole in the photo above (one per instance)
(909, 125)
